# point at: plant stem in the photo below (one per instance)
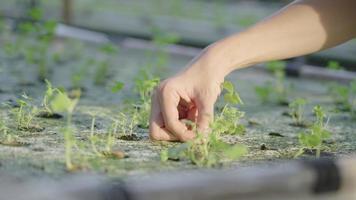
(92, 142)
(318, 152)
(68, 142)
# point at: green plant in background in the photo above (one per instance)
(159, 58)
(144, 85)
(117, 87)
(40, 34)
(79, 74)
(297, 110)
(277, 88)
(314, 137)
(247, 20)
(352, 99)
(102, 70)
(62, 103)
(344, 96)
(334, 65)
(277, 68)
(210, 150)
(264, 92)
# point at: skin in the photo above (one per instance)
(302, 27)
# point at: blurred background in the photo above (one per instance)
(195, 23)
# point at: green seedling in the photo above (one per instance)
(340, 94)
(38, 38)
(62, 103)
(334, 65)
(353, 99)
(314, 137)
(25, 113)
(264, 92)
(205, 150)
(48, 97)
(144, 86)
(102, 146)
(158, 59)
(102, 70)
(275, 89)
(227, 121)
(277, 68)
(93, 138)
(117, 87)
(297, 111)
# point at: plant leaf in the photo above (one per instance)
(117, 87)
(228, 86)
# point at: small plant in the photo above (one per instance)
(297, 111)
(117, 87)
(314, 137)
(277, 88)
(209, 150)
(344, 96)
(264, 92)
(334, 65)
(102, 70)
(353, 99)
(144, 86)
(277, 68)
(25, 113)
(39, 36)
(62, 103)
(227, 121)
(159, 58)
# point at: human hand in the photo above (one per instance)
(190, 95)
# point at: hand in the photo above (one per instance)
(190, 95)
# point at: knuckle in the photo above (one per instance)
(154, 136)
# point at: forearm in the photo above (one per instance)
(301, 28)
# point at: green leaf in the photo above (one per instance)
(313, 140)
(61, 103)
(117, 87)
(228, 86)
(232, 98)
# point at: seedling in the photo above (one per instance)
(314, 137)
(277, 68)
(117, 87)
(144, 86)
(39, 36)
(353, 98)
(344, 96)
(264, 92)
(62, 103)
(102, 70)
(25, 113)
(227, 121)
(158, 59)
(334, 65)
(340, 94)
(277, 88)
(205, 150)
(297, 111)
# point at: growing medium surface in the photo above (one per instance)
(269, 134)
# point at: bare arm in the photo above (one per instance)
(303, 27)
